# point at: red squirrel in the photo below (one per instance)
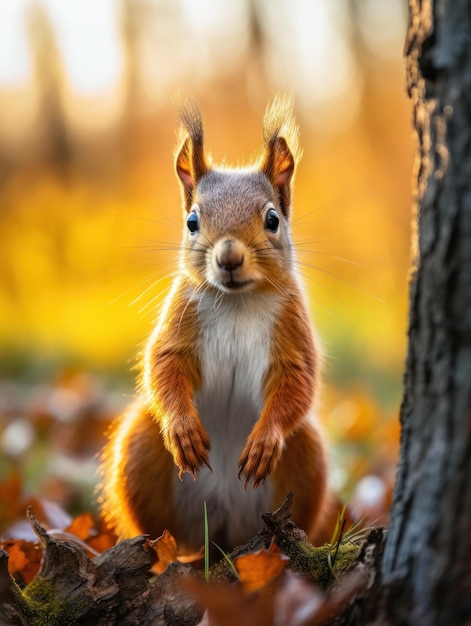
(224, 412)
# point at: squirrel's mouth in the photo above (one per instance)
(235, 285)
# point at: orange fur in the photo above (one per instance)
(233, 355)
(172, 359)
(129, 503)
(289, 391)
(303, 470)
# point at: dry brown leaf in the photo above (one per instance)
(229, 605)
(82, 526)
(260, 568)
(102, 541)
(25, 552)
(10, 494)
(297, 601)
(86, 528)
(293, 602)
(24, 559)
(192, 558)
(165, 547)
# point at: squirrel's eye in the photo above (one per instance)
(193, 222)
(272, 221)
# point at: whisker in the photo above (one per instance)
(150, 302)
(206, 287)
(201, 249)
(149, 248)
(316, 210)
(141, 218)
(219, 299)
(313, 298)
(332, 256)
(149, 288)
(159, 274)
(136, 284)
(341, 278)
(311, 242)
(327, 220)
(243, 301)
(297, 242)
(275, 284)
(140, 266)
(155, 242)
(250, 243)
(195, 291)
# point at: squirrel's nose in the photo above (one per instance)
(228, 256)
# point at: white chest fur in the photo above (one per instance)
(235, 338)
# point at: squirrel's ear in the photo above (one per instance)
(190, 166)
(278, 165)
(190, 162)
(183, 165)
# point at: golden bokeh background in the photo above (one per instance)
(90, 217)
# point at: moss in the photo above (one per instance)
(318, 564)
(42, 606)
(346, 557)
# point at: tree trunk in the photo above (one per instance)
(426, 568)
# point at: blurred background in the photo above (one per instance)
(90, 219)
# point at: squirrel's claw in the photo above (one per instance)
(189, 445)
(259, 458)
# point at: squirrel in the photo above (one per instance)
(224, 409)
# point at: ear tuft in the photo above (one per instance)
(190, 162)
(281, 147)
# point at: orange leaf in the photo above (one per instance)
(228, 605)
(102, 541)
(82, 526)
(165, 548)
(260, 568)
(93, 532)
(192, 558)
(24, 559)
(10, 494)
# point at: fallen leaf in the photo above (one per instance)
(297, 601)
(24, 559)
(82, 526)
(10, 494)
(192, 558)
(165, 547)
(92, 532)
(229, 605)
(260, 568)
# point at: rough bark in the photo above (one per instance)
(425, 566)
(423, 576)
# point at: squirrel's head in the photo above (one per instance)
(237, 235)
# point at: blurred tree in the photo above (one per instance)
(255, 60)
(57, 148)
(133, 15)
(424, 578)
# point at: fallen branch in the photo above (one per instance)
(117, 587)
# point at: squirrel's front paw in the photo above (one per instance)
(189, 445)
(260, 457)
